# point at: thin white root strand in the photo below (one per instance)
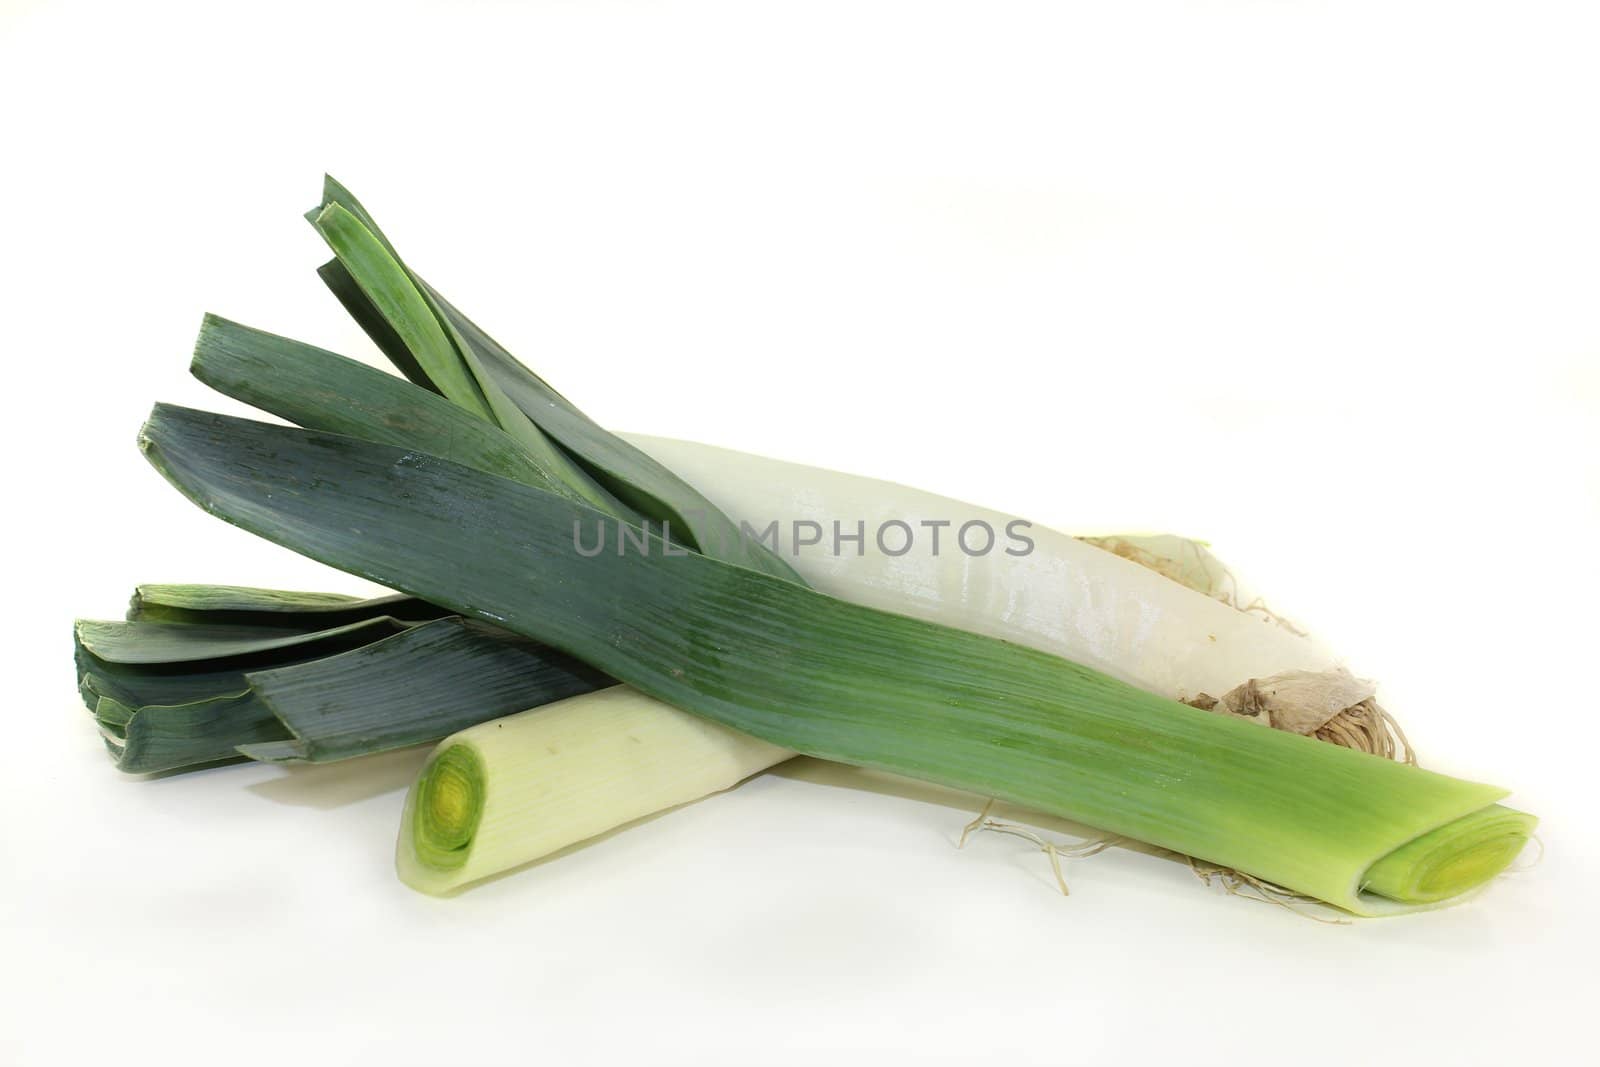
(1234, 883)
(1259, 607)
(1083, 849)
(1393, 726)
(1244, 886)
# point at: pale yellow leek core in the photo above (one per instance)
(1452, 860)
(449, 805)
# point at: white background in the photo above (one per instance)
(1314, 281)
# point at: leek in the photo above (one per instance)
(971, 711)
(1171, 660)
(803, 671)
(1064, 597)
(561, 775)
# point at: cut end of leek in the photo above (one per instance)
(449, 803)
(1456, 858)
(506, 793)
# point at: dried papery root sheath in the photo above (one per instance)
(1298, 701)
(1333, 706)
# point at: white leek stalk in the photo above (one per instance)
(1065, 597)
(562, 774)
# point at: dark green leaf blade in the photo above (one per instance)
(147, 643)
(415, 687)
(160, 738)
(172, 696)
(251, 605)
(321, 390)
(389, 342)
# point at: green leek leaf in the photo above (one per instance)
(196, 688)
(168, 642)
(437, 351)
(631, 477)
(320, 390)
(413, 688)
